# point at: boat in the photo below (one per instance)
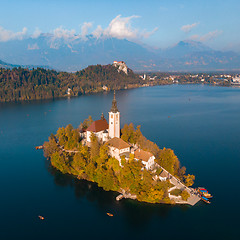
(205, 199)
(39, 147)
(41, 217)
(204, 192)
(110, 214)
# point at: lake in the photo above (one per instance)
(200, 123)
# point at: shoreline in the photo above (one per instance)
(106, 92)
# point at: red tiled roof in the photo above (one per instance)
(142, 155)
(98, 126)
(118, 143)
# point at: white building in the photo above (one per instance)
(114, 120)
(236, 80)
(121, 66)
(146, 157)
(99, 128)
(118, 148)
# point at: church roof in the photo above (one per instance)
(118, 143)
(114, 108)
(98, 126)
(142, 155)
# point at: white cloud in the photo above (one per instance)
(33, 46)
(146, 34)
(6, 35)
(206, 37)
(120, 27)
(36, 33)
(97, 33)
(210, 36)
(187, 28)
(84, 29)
(66, 34)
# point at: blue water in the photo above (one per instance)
(202, 125)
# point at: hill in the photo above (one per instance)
(20, 84)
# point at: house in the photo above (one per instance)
(99, 128)
(163, 176)
(118, 148)
(146, 157)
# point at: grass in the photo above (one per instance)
(176, 192)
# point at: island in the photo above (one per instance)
(120, 160)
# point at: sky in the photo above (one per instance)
(156, 23)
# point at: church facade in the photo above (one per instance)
(105, 131)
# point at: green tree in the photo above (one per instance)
(50, 147)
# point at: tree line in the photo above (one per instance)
(19, 84)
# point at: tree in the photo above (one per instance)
(185, 195)
(189, 180)
(95, 146)
(168, 160)
(86, 123)
(50, 147)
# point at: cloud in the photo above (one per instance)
(146, 34)
(187, 28)
(61, 33)
(98, 32)
(206, 37)
(120, 27)
(36, 33)
(6, 35)
(210, 36)
(66, 34)
(194, 37)
(33, 46)
(84, 29)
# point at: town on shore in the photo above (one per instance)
(121, 160)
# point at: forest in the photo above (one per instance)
(20, 84)
(94, 163)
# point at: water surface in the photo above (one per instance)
(201, 124)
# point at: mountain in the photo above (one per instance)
(74, 54)
(7, 65)
(10, 66)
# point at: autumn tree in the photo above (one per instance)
(189, 180)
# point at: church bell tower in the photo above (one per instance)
(114, 120)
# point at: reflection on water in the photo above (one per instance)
(203, 132)
(137, 214)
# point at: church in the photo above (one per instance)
(109, 132)
(104, 130)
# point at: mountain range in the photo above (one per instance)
(75, 54)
